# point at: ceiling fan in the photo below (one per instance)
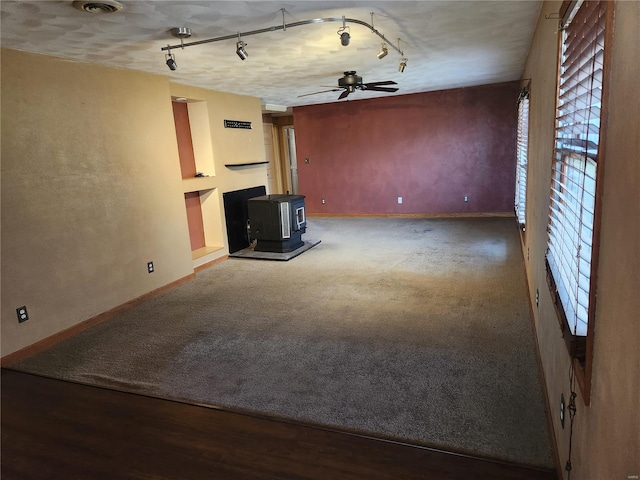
(351, 82)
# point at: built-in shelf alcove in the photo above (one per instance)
(197, 167)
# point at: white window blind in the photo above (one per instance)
(521, 156)
(575, 162)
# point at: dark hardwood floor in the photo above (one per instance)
(56, 429)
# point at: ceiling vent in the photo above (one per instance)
(104, 6)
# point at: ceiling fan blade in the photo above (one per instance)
(321, 91)
(344, 94)
(383, 89)
(386, 82)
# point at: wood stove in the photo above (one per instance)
(277, 222)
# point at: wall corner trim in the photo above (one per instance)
(204, 266)
(539, 364)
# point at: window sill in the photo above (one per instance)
(576, 344)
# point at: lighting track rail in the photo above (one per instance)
(283, 27)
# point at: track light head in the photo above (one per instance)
(345, 38)
(170, 60)
(384, 51)
(240, 51)
(403, 65)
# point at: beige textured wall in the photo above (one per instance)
(91, 189)
(606, 442)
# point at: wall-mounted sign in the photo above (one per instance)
(237, 124)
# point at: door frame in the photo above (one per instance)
(287, 180)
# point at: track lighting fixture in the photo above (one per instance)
(345, 36)
(181, 33)
(240, 51)
(171, 60)
(343, 33)
(384, 51)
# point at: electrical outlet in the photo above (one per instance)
(399, 200)
(150, 267)
(527, 253)
(23, 316)
(466, 198)
(562, 409)
(537, 297)
(324, 201)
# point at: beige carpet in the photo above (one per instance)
(415, 329)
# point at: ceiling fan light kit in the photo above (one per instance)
(343, 32)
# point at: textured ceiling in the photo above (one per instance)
(448, 43)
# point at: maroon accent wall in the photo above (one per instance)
(194, 220)
(183, 134)
(431, 148)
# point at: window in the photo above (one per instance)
(521, 156)
(572, 233)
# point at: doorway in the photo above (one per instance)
(272, 151)
(290, 160)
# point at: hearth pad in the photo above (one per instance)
(249, 252)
